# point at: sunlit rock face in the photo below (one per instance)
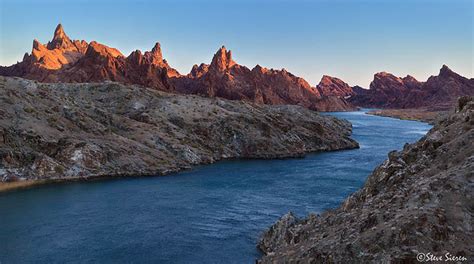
(66, 60)
(226, 78)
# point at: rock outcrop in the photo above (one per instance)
(418, 201)
(225, 78)
(73, 61)
(332, 86)
(69, 131)
(66, 60)
(437, 93)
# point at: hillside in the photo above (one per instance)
(418, 201)
(73, 131)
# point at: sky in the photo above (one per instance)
(348, 39)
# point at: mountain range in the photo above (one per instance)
(77, 61)
(437, 93)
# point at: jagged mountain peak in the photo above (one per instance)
(63, 60)
(60, 39)
(222, 60)
(59, 32)
(36, 44)
(155, 56)
(156, 49)
(445, 71)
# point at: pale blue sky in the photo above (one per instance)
(348, 39)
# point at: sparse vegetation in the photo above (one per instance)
(108, 141)
(28, 109)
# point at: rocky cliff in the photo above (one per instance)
(64, 60)
(437, 93)
(332, 86)
(74, 61)
(226, 78)
(70, 131)
(418, 202)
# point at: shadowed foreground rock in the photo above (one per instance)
(420, 200)
(70, 131)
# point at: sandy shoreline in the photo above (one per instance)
(421, 115)
(26, 184)
(17, 185)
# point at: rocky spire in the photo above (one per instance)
(198, 71)
(38, 50)
(59, 32)
(135, 57)
(222, 60)
(154, 56)
(36, 44)
(156, 49)
(60, 39)
(445, 71)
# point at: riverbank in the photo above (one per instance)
(10, 186)
(67, 131)
(222, 208)
(25, 184)
(423, 115)
(418, 201)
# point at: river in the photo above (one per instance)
(210, 214)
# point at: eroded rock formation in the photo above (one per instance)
(225, 78)
(332, 86)
(65, 60)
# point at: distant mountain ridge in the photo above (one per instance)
(66, 60)
(437, 93)
(225, 78)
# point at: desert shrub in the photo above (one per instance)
(52, 120)
(28, 109)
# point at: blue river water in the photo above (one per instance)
(210, 214)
